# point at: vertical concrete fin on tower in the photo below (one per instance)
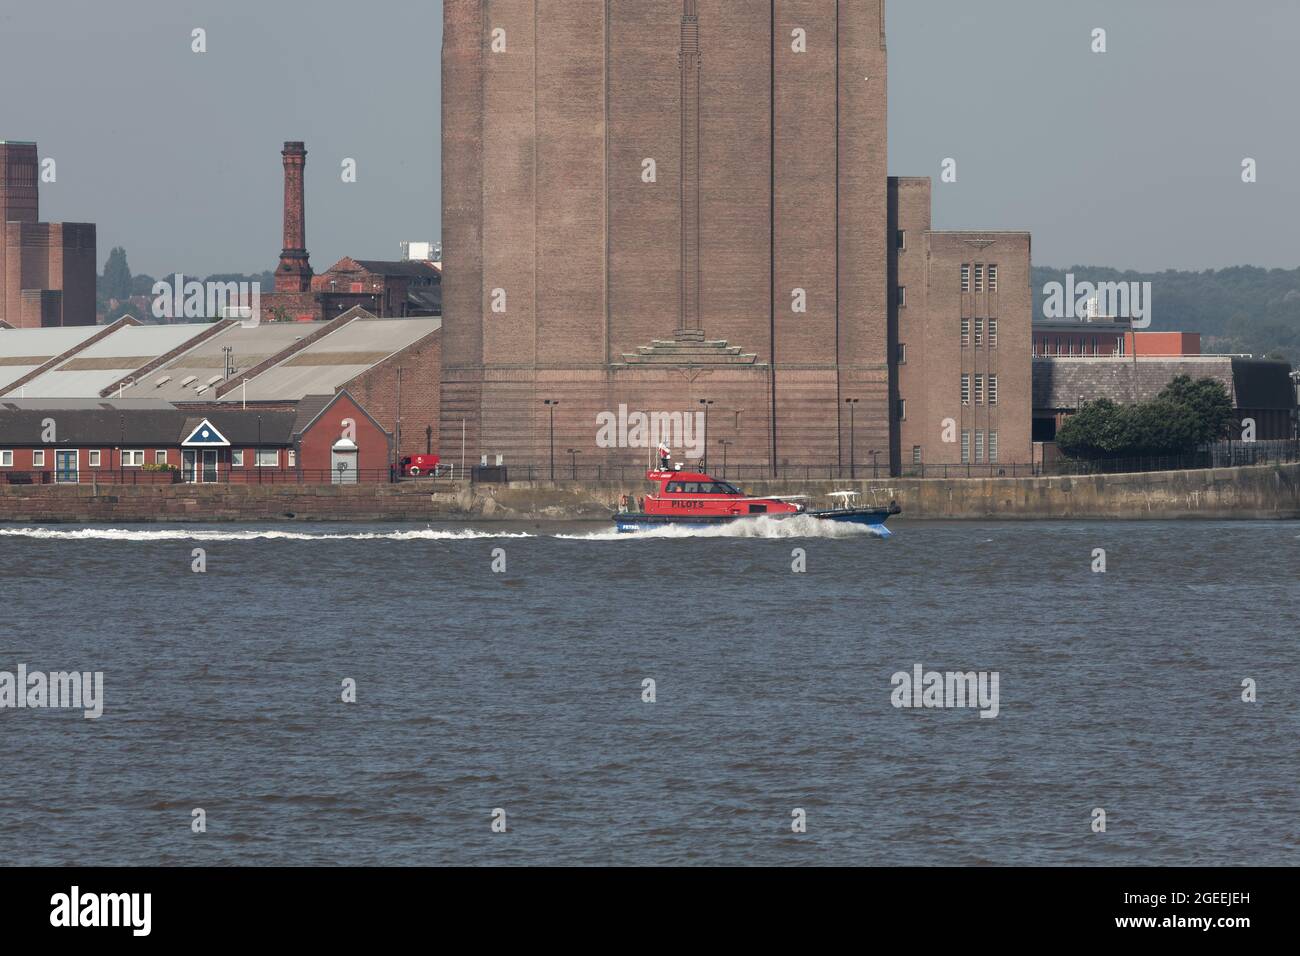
(688, 319)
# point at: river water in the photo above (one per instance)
(524, 690)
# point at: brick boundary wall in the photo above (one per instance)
(1261, 492)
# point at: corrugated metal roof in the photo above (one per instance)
(94, 368)
(316, 370)
(249, 347)
(22, 351)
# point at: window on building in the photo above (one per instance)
(237, 458)
(979, 333)
(916, 454)
(993, 333)
(902, 353)
(979, 278)
(993, 278)
(160, 456)
(268, 458)
(993, 446)
(38, 458)
(965, 333)
(1034, 346)
(1096, 345)
(133, 459)
(993, 389)
(979, 447)
(93, 457)
(965, 388)
(902, 240)
(6, 459)
(965, 445)
(902, 409)
(965, 278)
(293, 458)
(902, 296)
(1119, 345)
(979, 389)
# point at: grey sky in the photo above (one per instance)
(1130, 159)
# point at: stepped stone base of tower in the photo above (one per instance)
(504, 413)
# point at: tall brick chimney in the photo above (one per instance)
(294, 272)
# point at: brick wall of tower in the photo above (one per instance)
(463, 43)
(864, 342)
(19, 202)
(909, 213)
(545, 143)
(931, 325)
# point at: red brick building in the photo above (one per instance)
(396, 289)
(1101, 337)
(660, 204)
(47, 269)
(325, 440)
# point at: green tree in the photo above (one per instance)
(1208, 402)
(116, 281)
(1184, 416)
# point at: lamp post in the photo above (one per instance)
(573, 458)
(853, 405)
(724, 443)
(875, 473)
(550, 403)
(706, 403)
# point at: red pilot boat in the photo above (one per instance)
(694, 499)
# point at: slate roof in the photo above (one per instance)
(142, 422)
(413, 269)
(1061, 381)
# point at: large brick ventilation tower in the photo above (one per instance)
(294, 272)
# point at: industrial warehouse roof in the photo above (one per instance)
(335, 359)
(205, 364)
(1062, 381)
(359, 341)
(109, 360)
(134, 422)
(23, 351)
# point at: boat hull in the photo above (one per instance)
(628, 522)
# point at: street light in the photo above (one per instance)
(853, 405)
(724, 443)
(573, 454)
(551, 403)
(706, 403)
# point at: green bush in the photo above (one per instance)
(1183, 417)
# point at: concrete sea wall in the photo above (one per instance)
(1257, 492)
